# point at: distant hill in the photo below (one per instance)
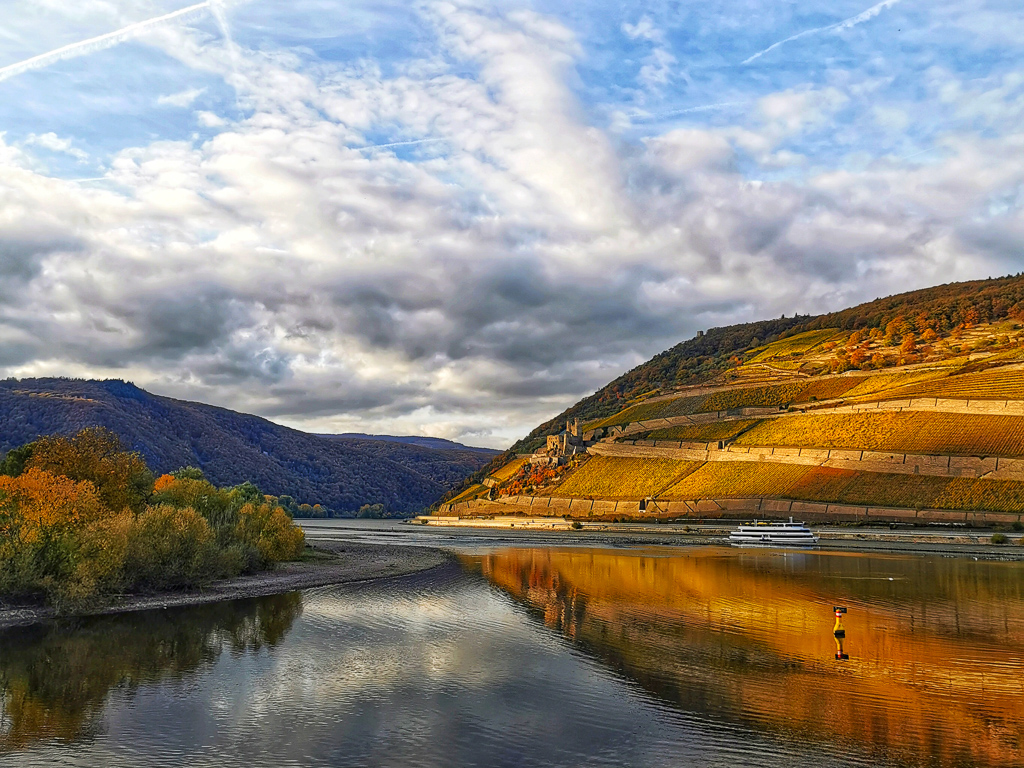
(426, 442)
(340, 473)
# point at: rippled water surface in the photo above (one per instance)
(545, 656)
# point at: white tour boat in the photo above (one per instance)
(763, 532)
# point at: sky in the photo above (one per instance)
(457, 218)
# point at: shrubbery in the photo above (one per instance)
(82, 519)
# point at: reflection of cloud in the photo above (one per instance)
(71, 697)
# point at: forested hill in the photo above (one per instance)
(707, 356)
(339, 473)
(425, 442)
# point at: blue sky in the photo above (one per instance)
(456, 218)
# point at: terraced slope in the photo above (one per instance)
(935, 325)
(959, 434)
(969, 461)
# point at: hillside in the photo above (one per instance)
(906, 408)
(339, 473)
(718, 350)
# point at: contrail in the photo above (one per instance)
(397, 144)
(853, 21)
(641, 117)
(109, 40)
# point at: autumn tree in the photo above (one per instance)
(909, 345)
(121, 478)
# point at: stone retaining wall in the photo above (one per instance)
(537, 506)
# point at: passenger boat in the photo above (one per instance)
(763, 532)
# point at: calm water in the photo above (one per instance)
(545, 656)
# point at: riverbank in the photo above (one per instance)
(328, 562)
(475, 534)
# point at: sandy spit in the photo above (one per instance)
(340, 563)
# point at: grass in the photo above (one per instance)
(828, 389)
(723, 479)
(845, 486)
(996, 495)
(904, 432)
(608, 477)
(794, 345)
(985, 385)
(508, 470)
(703, 433)
(722, 400)
(884, 382)
(473, 492)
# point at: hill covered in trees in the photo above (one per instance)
(341, 474)
(959, 329)
(710, 355)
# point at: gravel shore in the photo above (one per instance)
(333, 562)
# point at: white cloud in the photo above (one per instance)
(659, 65)
(180, 99)
(55, 143)
(790, 112)
(488, 259)
(210, 119)
(644, 30)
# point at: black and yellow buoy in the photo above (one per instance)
(839, 630)
(840, 633)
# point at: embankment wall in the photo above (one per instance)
(539, 506)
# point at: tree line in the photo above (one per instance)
(82, 519)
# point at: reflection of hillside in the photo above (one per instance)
(937, 653)
(54, 681)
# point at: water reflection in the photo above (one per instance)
(55, 680)
(749, 637)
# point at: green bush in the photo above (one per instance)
(267, 529)
(170, 547)
(999, 538)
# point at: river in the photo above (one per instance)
(540, 655)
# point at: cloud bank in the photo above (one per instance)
(451, 245)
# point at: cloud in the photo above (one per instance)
(644, 30)
(55, 143)
(448, 245)
(793, 111)
(209, 119)
(180, 99)
(658, 66)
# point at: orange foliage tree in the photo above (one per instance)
(95, 454)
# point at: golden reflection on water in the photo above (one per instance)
(55, 680)
(935, 673)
